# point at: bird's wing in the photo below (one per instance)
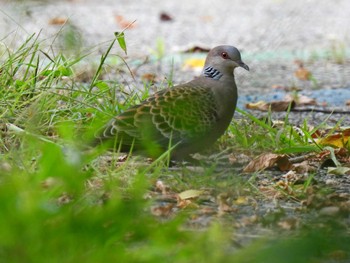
(179, 114)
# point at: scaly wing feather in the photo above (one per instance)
(180, 114)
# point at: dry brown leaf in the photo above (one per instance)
(340, 139)
(165, 17)
(268, 160)
(58, 21)
(149, 77)
(302, 73)
(274, 105)
(341, 170)
(124, 23)
(304, 100)
(206, 18)
(164, 210)
(301, 100)
(186, 203)
(347, 103)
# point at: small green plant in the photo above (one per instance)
(263, 134)
(159, 50)
(338, 52)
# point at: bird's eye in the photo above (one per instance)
(224, 55)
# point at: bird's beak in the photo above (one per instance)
(243, 65)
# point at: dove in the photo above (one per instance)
(185, 118)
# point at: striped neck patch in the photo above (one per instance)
(212, 73)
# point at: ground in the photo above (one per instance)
(294, 195)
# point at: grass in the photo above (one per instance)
(60, 203)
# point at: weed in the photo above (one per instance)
(338, 52)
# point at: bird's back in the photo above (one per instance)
(183, 115)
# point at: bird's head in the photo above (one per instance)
(224, 59)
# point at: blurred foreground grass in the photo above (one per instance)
(52, 211)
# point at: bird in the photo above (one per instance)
(186, 118)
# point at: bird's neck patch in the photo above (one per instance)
(212, 73)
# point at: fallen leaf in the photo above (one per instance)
(186, 203)
(206, 18)
(304, 100)
(302, 73)
(195, 49)
(189, 194)
(165, 17)
(164, 210)
(338, 170)
(340, 139)
(194, 63)
(149, 77)
(241, 200)
(275, 106)
(268, 160)
(347, 103)
(124, 23)
(333, 157)
(58, 21)
(300, 100)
